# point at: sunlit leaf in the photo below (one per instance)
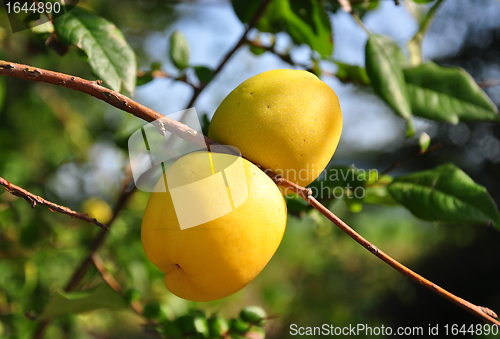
(378, 195)
(305, 21)
(363, 7)
(109, 55)
(383, 66)
(352, 74)
(144, 78)
(445, 194)
(179, 50)
(447, 94)
(63, 303)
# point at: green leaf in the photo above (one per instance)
(353, 205)
(193, 324)
(171, 330)
(423, 1)
(383, 66)
(156, 66)
(445, 194)
(256, 50)
(424, 142)
(152, 310)
(238, 325)
(217, 326)
(179, 50)
(447, 94)
(63, 303)
(378, 195)
(204, 74)
(305, 21)
(205, 124)
(352, 74)
(253, 314)
(145, 78)
(245, 10)
(109, 55)
(361, 8)
(342, 176)
(376, 192)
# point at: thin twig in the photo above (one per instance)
(346, 5)
(186, 133)
(285, 57)
(413, 157)
(489, 83)
(35, 199)
(253, 22)
(479, 311)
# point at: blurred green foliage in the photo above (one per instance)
(53, 142)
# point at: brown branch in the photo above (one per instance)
(187, 133)
(285, 57)
(35, 199)
(489, 83)
(411, 158)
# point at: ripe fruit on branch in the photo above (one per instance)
(286, 120)
(221, 256)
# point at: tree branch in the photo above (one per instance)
(481, 312)
(185, 132)
(346, 5)
(287, 58)
(489, 83)
(35, 199)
